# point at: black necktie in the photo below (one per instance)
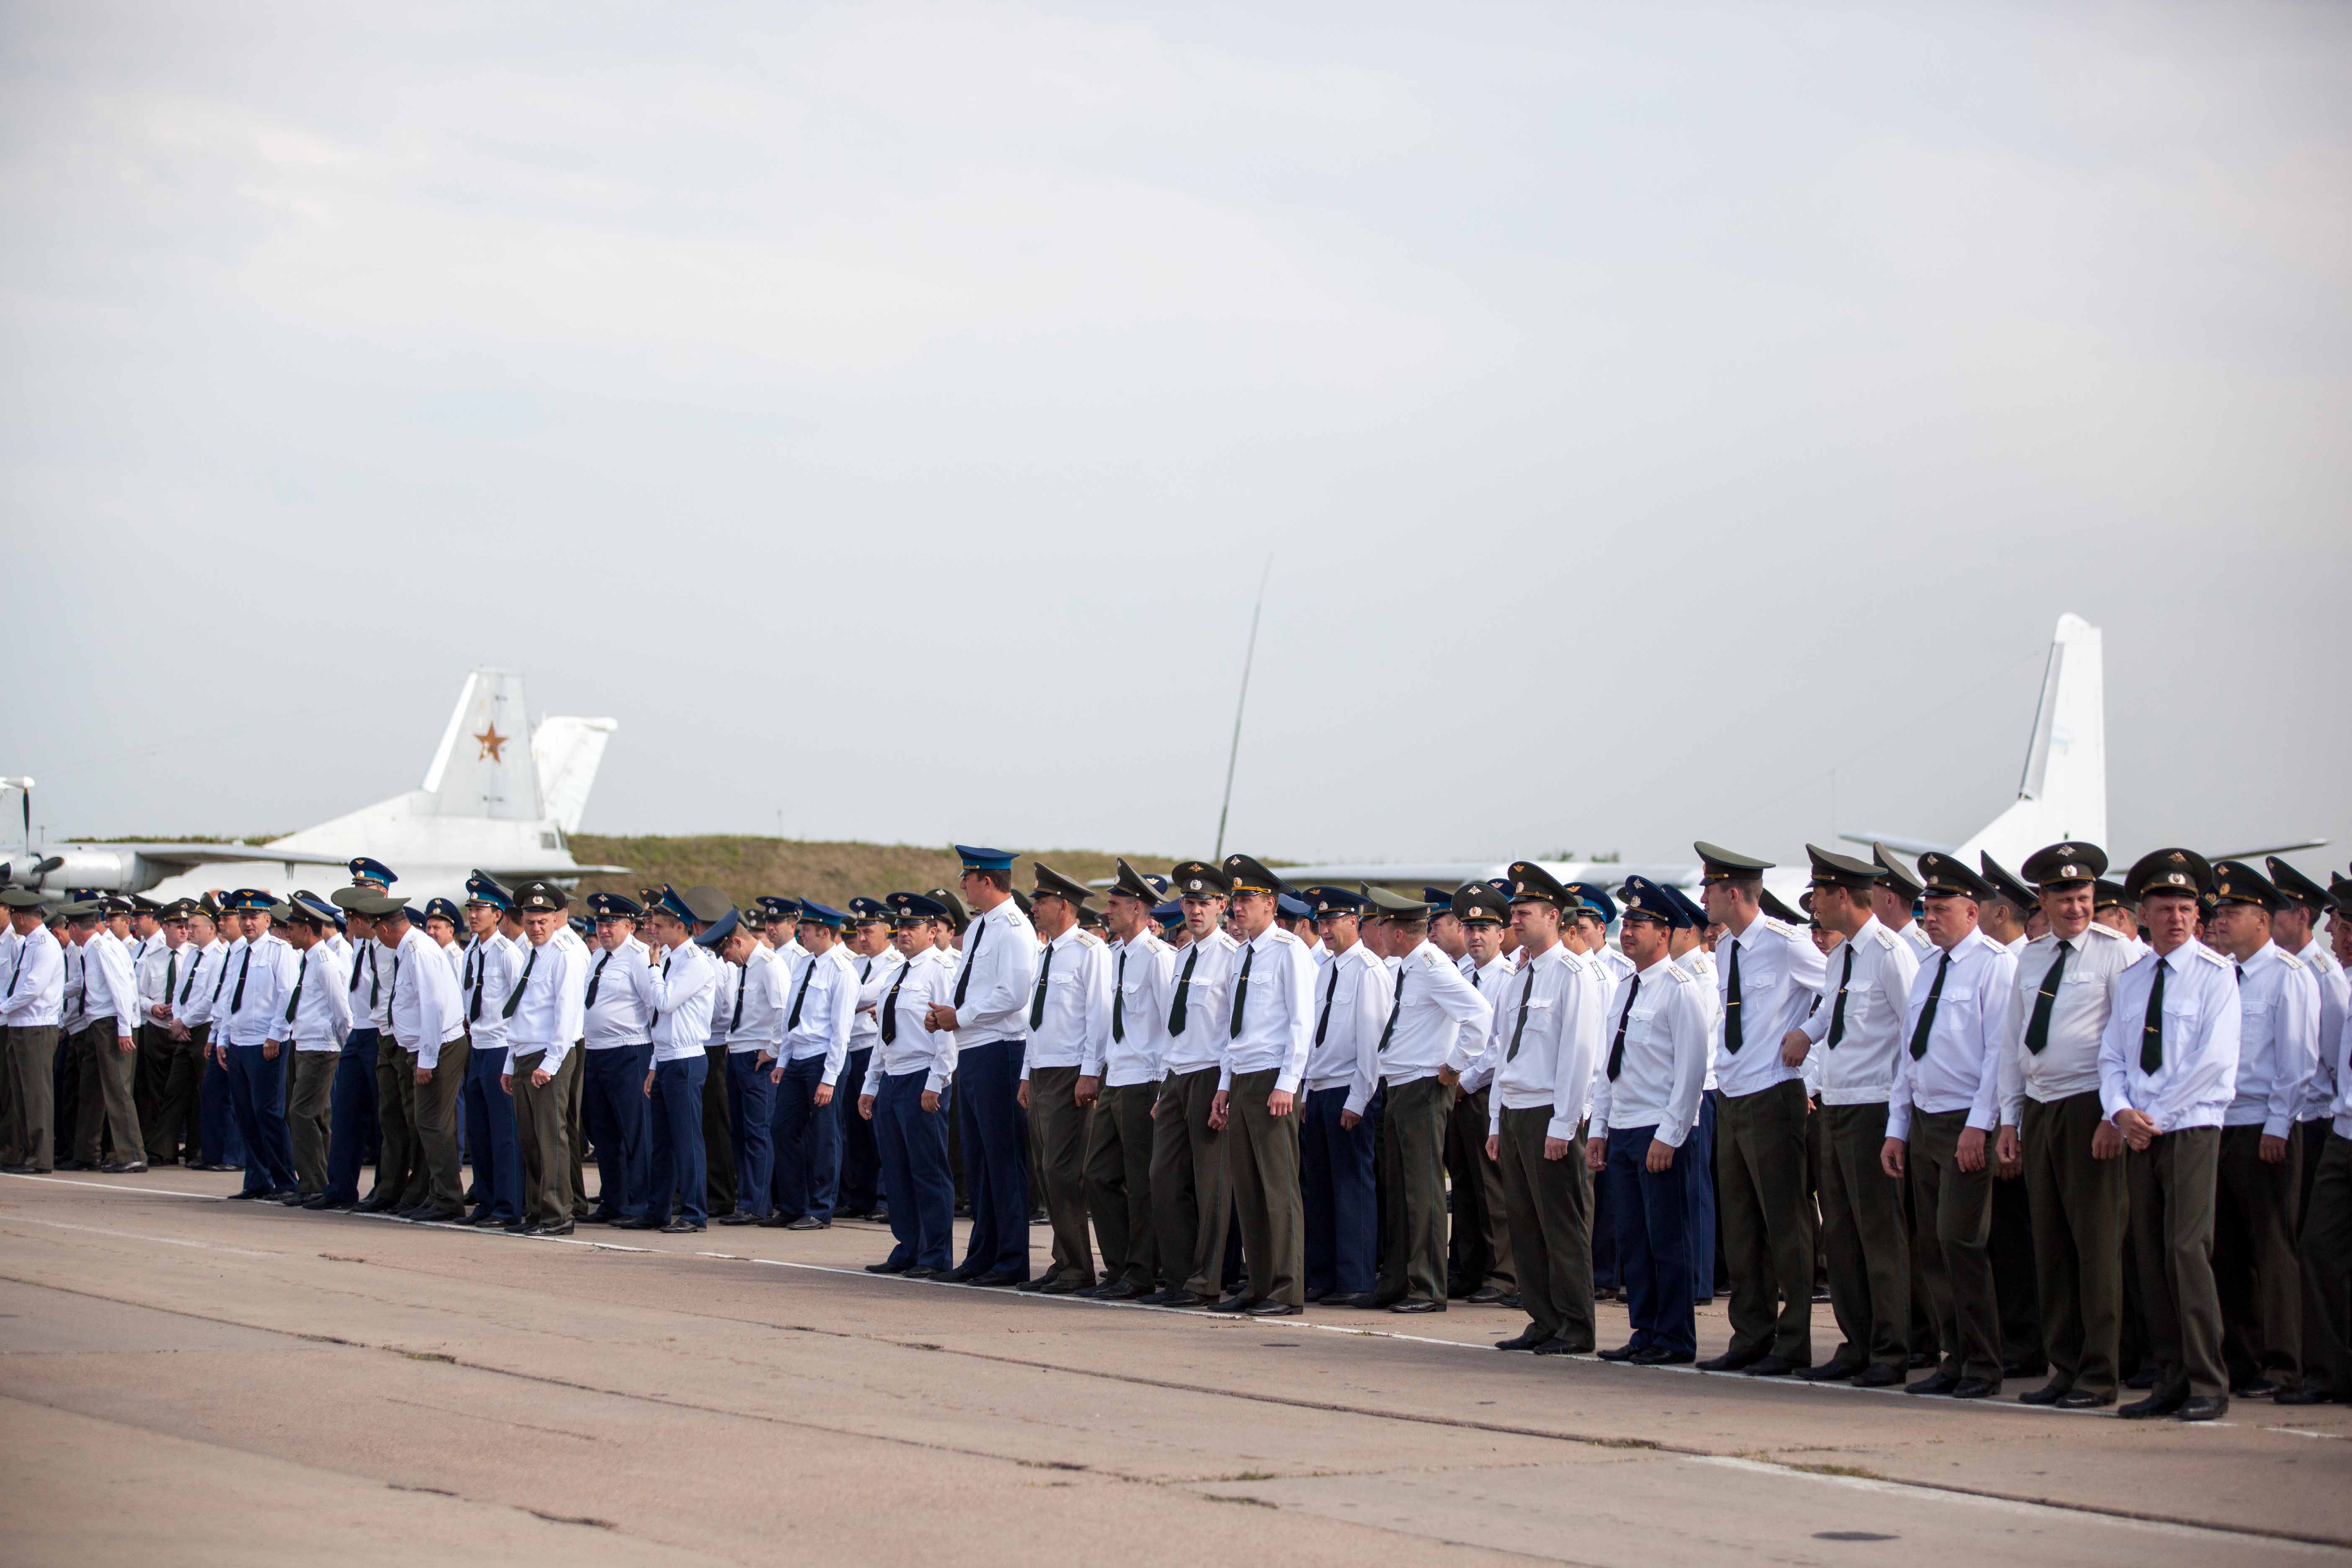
(1037, 1002)
(2151, 1030)
(741, 975)
(395, 983)
(357, 953)
(1396, 1005)
(473, 962)
(1240, 995)
(890, 1002)
(301, 973)
(1617, 1045)
(1926, 1023)
(1526, 991)
(596, 979)
(865, 972)
(1183, 991)
(514, 997)
(171, 973)
(1837, 1013)
(1118, 998)
(1732, 1037)
(375, 976)
(185, 986)
(220, 981)
(18, 972)
(1330, 989)
(970, 952)
(807, 973)
(2037, 1029)
(238, 1000)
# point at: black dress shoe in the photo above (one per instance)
(1920, 1360)
(2145, 1378)
(1277, 1310)
(1236, 1302)
(1831, 1371)
(2154, 1405)
(1316, 1293)
(1976, 1388)
(124, 1168)
(1659, 1356)
(322, 1202)
(740, 1216)
(243, 1195)
(683, 1227)
(1625, 1353)
(965, 1273)
(436, 1216)
(295, 1200)
(997, 1279)
(1509, 1298)
(1416, 1307)
(776, 1222)
(558, 1227)
(809, 1222)
(1176, 1298)
(2305, 1394)
(1562, 1347)
(1053, 1285)
(2048, 1393)
(2083, 1399)
(1111, 1290)
(1772, 1366)
(372, 1206)
(1731, 1360)
(643, 1222)
(887, 1266)
(598, 1217)
(1879, 1375)
(1484, 1295)
(2204, 1407)
(1525, 1339)
(2258, 1388)
(1372, 1301)
(919, 1272)
(1934, 1383)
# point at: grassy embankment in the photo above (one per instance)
(743, 866)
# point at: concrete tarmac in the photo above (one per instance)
(194, 1381)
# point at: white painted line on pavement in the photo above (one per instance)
(135, 1235)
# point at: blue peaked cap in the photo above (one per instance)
(976, 859)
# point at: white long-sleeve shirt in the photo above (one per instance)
(492, 969)
(550, 1014)
(249, 1008)
(37, 984)
(1660, 1073)
(996, 970)
(2068, 1064)
(1069, 1003)
(684, 987)
(873, 970)
(1129, 1050)
(2197, 1078)
(824, 1001)
(2278, 1040)
(193, 1007)
(422, 993)
(904, 1045)
(750, 1008)
(110, 983)
(2319, 1095)
(1780, 971)
(1970, 986)
(320, 1006)
(158, 975)
(620, 999)
(1431, 1001)
(1546, 1040)
(1202, 988)
(1351, 1008)
(1477, 1064)
(1866, 996)
(1271, 1022)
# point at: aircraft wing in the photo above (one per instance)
(510, 875)
(1911, 846)
(180, 857)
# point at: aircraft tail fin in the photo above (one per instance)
(483, 766)
(566, 753)
(2063, 791)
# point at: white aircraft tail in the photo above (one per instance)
(483, 766)
(567, 753)
(2063, 793)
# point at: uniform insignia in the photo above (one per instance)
(1193, 886)
(1885, 938)
(1783, 927)
(2291, 961)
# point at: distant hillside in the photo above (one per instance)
(744, 867)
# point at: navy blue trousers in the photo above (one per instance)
(995, 1157)
(619, 1122)
(220, 1141)
(1699, 1218)
(912, 1145)
(256, 1087)
(678, 1173)
(807, 1143)
(861, 1161)
(1653, 1213)
(750, 1105)
(496, 1148)
(1341, 1195)
(351, 1117)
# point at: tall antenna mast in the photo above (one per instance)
(1248, 659)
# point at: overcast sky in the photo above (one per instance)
(1662, 422)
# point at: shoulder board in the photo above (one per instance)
(1781, 927)
(2209, 956)
(1887, 939)
(2290, 960)
(1281, 936)
(1089, 938)
(1682, 976)
(2109, 932)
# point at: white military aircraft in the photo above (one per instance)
(2064, 794)
(489, 799)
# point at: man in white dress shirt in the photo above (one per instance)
(1192, 1196)
(29, 1012)
(618, 1018)
(751, 1003)
(1644, 1104)
(809, 1057)
(318, 1018)
(2326, 1235)
(1941, 1112)
(2168, 1075)
(108, 1100)
(544, 1015)
(249, 1035)
(2295, 928)
(1896, 900)
(1069, 1020)
(2255, 1266)
(493, 963)
(988, 1012)
(1120, 1083)
(907, 1089)
(874, 955)
(1269, 1027)
(1339, 1124)
(1479, 1266)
